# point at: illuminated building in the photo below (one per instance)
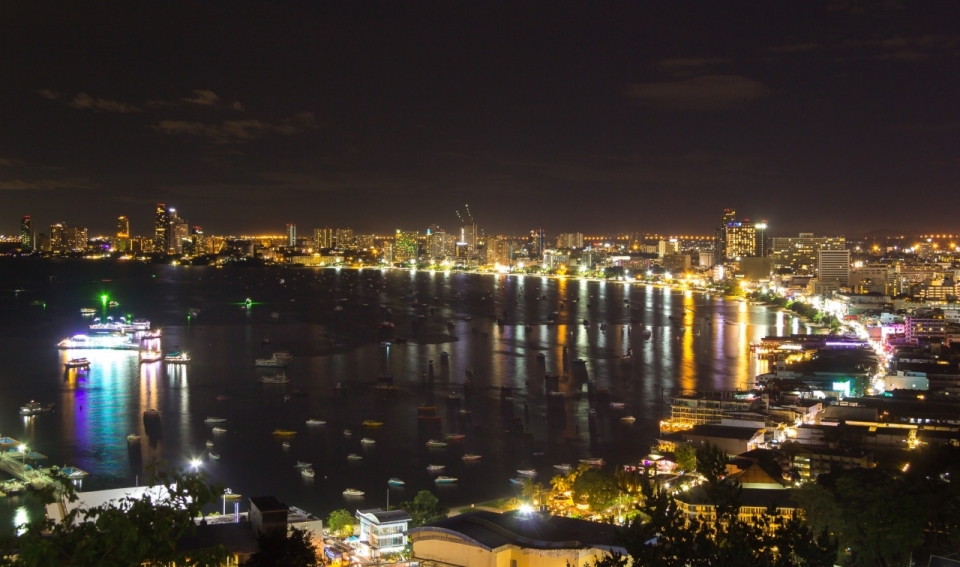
(570, 240)
(676, 263)
(365, 241)
(56, 237)
(740, 239)
(178, 231)
(26, 240)
(833, 266)
(799, 254)
(405, 246)
(198, 242)
(499, 252)
(729, 216)
(291, 235)
(343, 238)
(536, 243)
(706, 259)
(761, 246)
(161, 228)
(387, 257)
(322, 238)
(468, 235)
(665, 247)
(123, 234)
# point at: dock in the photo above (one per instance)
(12, 463)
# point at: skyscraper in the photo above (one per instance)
(26, 237)
(178, 231)
(729, 216)
(123, 227)
(833, 266)
(322, 238)
(56, 237)
(468, 235)
(761, 247)
(343, 237)
(405, 246)
(536, 243)
(291, 235)
(161, 227)
(740, 239)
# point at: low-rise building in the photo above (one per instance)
(731, 440)
(382, 531)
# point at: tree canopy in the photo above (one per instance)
(597, 488)
(424, 509)
(283, 549)
(340, 522)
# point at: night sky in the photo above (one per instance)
(836, 117)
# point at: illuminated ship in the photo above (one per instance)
(103, 341)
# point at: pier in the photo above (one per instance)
(12, 464)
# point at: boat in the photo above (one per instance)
(563, 467)
(33, 408)
(77, 363)
(309, 473)
(302, 465)
(101, 341)
(285, 444)
(435, 443)
(455, 437)
(284, 432)
(193, 312)
(87, 311)
(517, 481)
(338, 308)
(215, 420)
(435, 468)
(219, 429)
(353, 492)
(593, 462)
(445, 480)
(230, 495)
(140, 324)
(133, 437)
(371, 423)
(316, 422)
(113, 304)
(628, 419)
(177, 358)
(526, 472)
(354, 457)
(151, 412)
(280, 378)
(368, 441)
(464, 412)
(453, 397)
(73, 473)
(617, 405)
(272, 362)
(385, 343)
(154, 334)
(386, 325)
(147, 356)
(396, 482)
(347, 433)
(214, 456)
(470, 457)
(209, 443)
(222, 398)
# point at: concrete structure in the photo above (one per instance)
(833, 266)
(754, 502)
(677, 263)
(322, 238)
(731, 440)
(382, 531)
(267, 514)
(799, 254)
(405, 246)
(570, 240)
(668, 247)
(813, 461)
(711, 407)
(514, 539)
(756, 268)
(291, 235)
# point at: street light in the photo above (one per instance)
(195, 463)
(23, 452)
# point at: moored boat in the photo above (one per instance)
(353, 492)
(33, 408)
(436, 444)
(230, 495)
(445, 480)
(284, 432)
(215, 420)
(285, 444)
(395, 482)
(309, 473)
(593, 462)
(372, 423)
(147, 356)
(517, 481)
(214, 456)
(563, 467)
(455, 437)
(435, 468)
(77, 363)
(73, 473)
(280, 378)
(354, 457)
(177, 358)
(219, 429)
(302, 465)
(470, 457)
(628, 419)
(526, 472)
(133, 437)
(273, 362)
(368, 441)
(316, 422)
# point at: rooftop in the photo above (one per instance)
(268, 504)
(724, 431)
(385, 516)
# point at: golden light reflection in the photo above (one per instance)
(687, 363)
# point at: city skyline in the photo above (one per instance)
(815, 117)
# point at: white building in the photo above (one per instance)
(382, 531)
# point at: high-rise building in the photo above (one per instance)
(322, 238)
(56, 237)
(499, 252)
(26, 236)
(405, 246)
(469, 236)
(178, 231)
(570, 240)
(833, 266)
(343, 238)
(198, 242)
(536, 243)
(729, 216)
(740, 239)
(387, 257)
(365, 241)
(761, 246)
(799, 254)
(667, 247)
(123, 227)
(161, 227)
(291, 235)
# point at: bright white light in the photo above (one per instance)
(526, 509)
(195, 463)
(22, 448)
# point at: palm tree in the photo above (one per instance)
(559, 484)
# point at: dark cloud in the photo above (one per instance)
(237, 131)
(46, 184)
(48, 94)
(795, 47)
(7, 162)
(87, 102)
(709, 92)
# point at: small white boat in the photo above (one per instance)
(470, 457)
(436, 444)
(302, 465)
(628, 419)
(353, 492)
(396, 482)
(316, 422)
(133, 437)
(155, 334)
(280, 378)
(617, 405)
(285, 444)
(593, 462)
(464, 412)
(33, 408)
(209, 443)
(150, 356)
(214, 456)
(308, 473)
(77, 363)
(177, 358)
(87, 311)
(445, 480)
(272, 362)
(526, 472)
(215, 420)
(517, 481)
(563, 467)
(354, 457)
(455, 437)
(347, 433)
(435, 468)
(219, 429)
(74, 473)
(368, 441)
